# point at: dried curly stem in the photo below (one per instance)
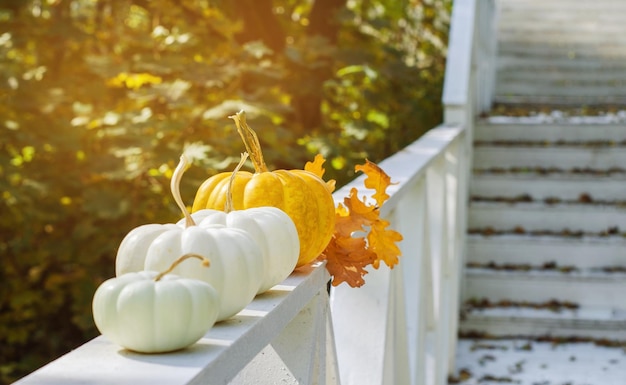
(205, 263)
(183, 165)
(229, 193)
(250, 140)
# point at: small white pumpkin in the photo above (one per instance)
(236, 262)
(271, 228)
(150, 312)
(131, 254)
(236, 258)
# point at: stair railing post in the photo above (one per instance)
(468, 91)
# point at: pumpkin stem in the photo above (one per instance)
(183, 165)
(229, 193)
(250, 140)
(205, 262)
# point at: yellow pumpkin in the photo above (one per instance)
(304, 196)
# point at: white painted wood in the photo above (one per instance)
(586, 322)
(304, 362)
(410, 322)
(470, 70)
(457, 86)
(563, 157)
(585, 288)
(558, 38)
(559, 78)
(224, 352)
(539, 187)
(541, 131)
(540, 216)
(522, 361)
(562, 53)
(561, 100)
(585, 253)
(520, 63)
(612, 88)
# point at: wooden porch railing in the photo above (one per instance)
(400, 328)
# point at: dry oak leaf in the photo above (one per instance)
(361, 237)
(346, 259)
(376, 180)
(382, 242)
(316, 168)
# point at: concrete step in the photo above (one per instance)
(583, 287)
(588, 252)
(600, 157)
(539, 216)
(568, 187)
(544, 130)
(527, 321)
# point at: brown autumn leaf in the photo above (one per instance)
(361, 237)
(346, 259)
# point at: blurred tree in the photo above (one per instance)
(98, 98)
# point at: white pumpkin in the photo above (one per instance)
(131, 254)
(236, 262)
(271, 228)
(153, 313)
(236, 258)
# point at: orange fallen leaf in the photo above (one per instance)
(376, 179)
(361, 237)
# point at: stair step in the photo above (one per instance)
(547, 30)
(558, 77)
(538, 361)
(537, 216)
(582, 64)
(601, 157)
(548, 128)
(590, 252)
(540, 187)
(560, 100)
(561, 6)
(509, 321)
(583, 287)
(542, 88)
(571, 51)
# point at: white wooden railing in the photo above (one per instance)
(400, 327)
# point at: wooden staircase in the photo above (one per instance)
(546, 256)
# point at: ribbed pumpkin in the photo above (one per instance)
(304, 196)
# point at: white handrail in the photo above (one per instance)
(284, 334)
(396, 329)
(470, 68)
(401, 326)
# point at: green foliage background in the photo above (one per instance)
(98, 99)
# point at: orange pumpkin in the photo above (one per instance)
(304, 196)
